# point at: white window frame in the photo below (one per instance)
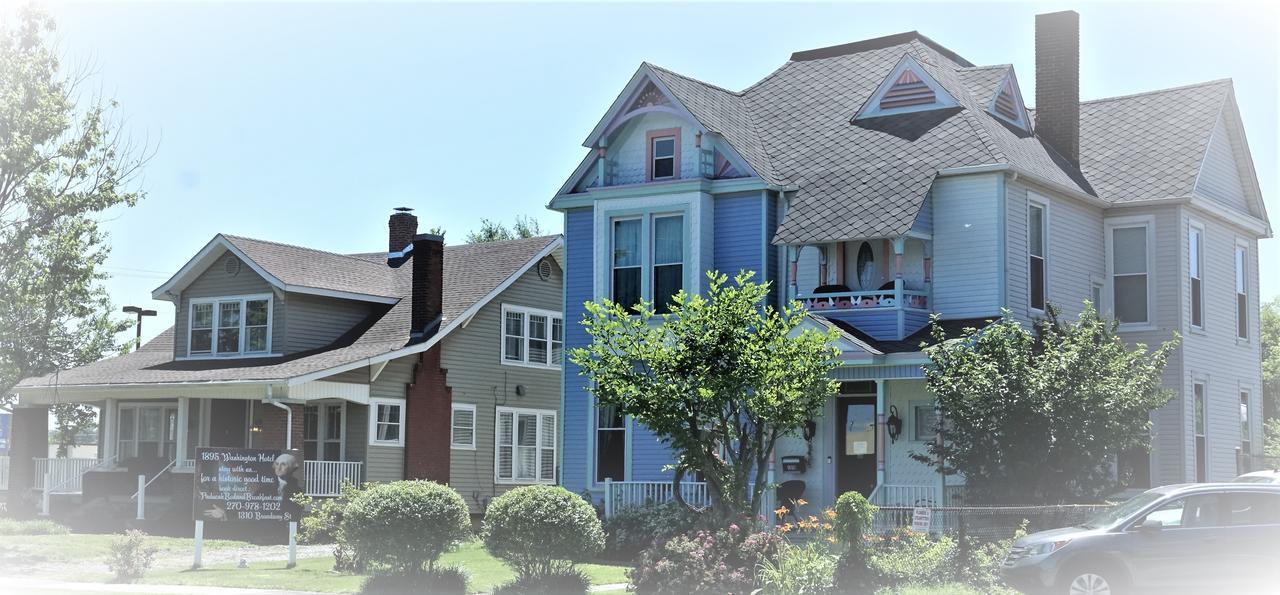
(1195, 264)
(322, 429)
(1240, 263)
(134, 411)
(1246, 420)
(653, 157)
(551, 316)
(453, 425)
(374, 403)
(217, 313)
(648, 252)
(625, 430)
(541, 415)
(1148, 223)
(1035, 201)
(1200, 427)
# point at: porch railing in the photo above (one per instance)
(65, 475)
(913, 496)
(4, 473)
(619, 495)
(325, 478)
(865, 300)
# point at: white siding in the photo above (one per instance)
(1219, 173)
(900, 468)
(1074, 245)
(629, 150)
(966, 248)
(386, 463)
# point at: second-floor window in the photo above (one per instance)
(1242, 292)
(532, 337)
(230, 326)
(664, 158)
(1130, 272)
(660, 259)
(1195, 256)
(1036, 255)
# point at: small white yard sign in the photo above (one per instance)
(921, 519)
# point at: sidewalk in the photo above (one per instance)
(24, 585)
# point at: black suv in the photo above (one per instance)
(1214, 537)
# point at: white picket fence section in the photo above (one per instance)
(65, 475)
(907, 495)
(4, 473)
(325, 478)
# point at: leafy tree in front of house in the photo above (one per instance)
(718, 379)
(74, 424)
(1037, 415)
(63, 163)
(1271, 359)
(1271, 440)
(494, 231)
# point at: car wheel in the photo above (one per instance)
(1091, 582)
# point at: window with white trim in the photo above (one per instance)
(1195, 272)
(462, 432)
(386, 422)
(1129, 267)
(1202, 460)
(664, 158)
(532, 337)
(1242, 292)
(1246, 425)
(324, 431)
(231, 326)
(1036, 233)
(525, 446)
(611, 444)
(652, 248)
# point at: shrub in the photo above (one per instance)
(909, 557)
(808, 570)
(705, 562)
(978, 562)
(441, 580)
(540, 529)
(131, 556)
(635, 528)
(323, 524)
(31, 527)
(853, 518)
(405, 525)
(559, 581)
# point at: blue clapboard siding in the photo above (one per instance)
(649, 458)
(881, 324)
(738, 234)
(877, 372)
(914, 321)
(771, 251)
(924, 219)
(575, 416)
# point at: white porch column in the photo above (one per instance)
(899, 246)
(880, 430)
(793, 254)
(109, 414)
(184, 412)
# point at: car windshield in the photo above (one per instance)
(1121, 511)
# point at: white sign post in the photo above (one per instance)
(195, 565)
(293, 544)
(921, 519)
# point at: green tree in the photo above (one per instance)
(493, 231)
(718, 379)
(1037, 417)
(62, 163)
(1271, 359)
(1271, 440)
(72, 421)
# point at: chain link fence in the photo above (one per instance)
(987, 522)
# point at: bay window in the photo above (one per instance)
(1128, 264)
(647, 260)
(627, 265)
(525, 446)
(532, 337)
(221, 327)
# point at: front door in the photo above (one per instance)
(856, 444)
(227, 422)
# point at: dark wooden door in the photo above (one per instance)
(856, 444)
(227, 423)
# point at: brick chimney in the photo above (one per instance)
(428, 280)
(1058, 82)
(401, 228)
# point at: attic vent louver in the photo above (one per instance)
(1007, 101)
(908, 90)
(544, 269)
(231, 265)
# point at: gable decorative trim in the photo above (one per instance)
(1007, 103)
(907, 89)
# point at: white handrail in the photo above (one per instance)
(142, 488)
(326, 478)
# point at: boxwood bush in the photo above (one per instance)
(406, 525)
(541, 530)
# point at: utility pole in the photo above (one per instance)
(140, 313)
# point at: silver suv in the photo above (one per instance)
(1222, 537)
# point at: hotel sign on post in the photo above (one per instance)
(247, 485)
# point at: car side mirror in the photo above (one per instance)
(1151, 526)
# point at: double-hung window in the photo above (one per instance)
(648, 260)
(1198, 390)
(1195, 258)
(386, 422)
(1129, 266)
(525, 446)
(323, 431)
(462, 432)
(223, 327)
(1242, 292)
(532, 337)
(664, 158)
(1037, 226)
(611, 444)
(1246, 426)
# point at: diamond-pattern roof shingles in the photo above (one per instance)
(1149, 146)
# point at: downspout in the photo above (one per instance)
(288, 432)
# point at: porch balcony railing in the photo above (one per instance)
(619, 495)
(325, 478)
(917, 496)
(4, 473)
(887, 299)
(65, 475)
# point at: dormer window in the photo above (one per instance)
(664, 154)
(908, 88)
(1007, 103)
(231, 326)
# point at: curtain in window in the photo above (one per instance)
(464, 427)
(506, 449)
(668, 260)
(537, 339)
(626, 262)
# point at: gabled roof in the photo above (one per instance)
(473, 275)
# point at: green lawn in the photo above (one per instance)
(316, 574)
(79, 547)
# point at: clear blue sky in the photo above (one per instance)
(307, 123)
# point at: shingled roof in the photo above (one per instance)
(869, 178)
(471, 273)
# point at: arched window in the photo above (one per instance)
(866, 266)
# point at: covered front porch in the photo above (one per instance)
(148, 438)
